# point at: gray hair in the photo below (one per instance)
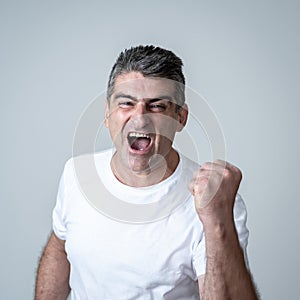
(150, 61)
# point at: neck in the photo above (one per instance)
(159, 170)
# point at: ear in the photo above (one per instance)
(182, 117)
(106, 114)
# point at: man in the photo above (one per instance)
(199, 245)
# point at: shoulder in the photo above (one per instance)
(88, 161)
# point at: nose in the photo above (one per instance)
(140, 117)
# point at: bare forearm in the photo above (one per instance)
(226, 274)
(53, 272)
(215, 188)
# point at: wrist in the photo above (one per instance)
(219, 230)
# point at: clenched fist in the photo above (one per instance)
(214, 187)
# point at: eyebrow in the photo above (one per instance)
(121, 95)
(151, 100)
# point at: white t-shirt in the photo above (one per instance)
(110, 259)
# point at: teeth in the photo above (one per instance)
(138, 135)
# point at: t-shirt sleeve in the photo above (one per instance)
(240, 218)
(58, 219)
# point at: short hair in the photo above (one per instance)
(150, 61)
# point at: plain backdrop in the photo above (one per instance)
(242, 56)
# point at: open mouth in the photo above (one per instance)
(139, 141)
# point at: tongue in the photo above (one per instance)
(140, 143)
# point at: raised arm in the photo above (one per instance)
(215, 187)
(52, 282)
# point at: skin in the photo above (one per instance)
(214, 188)
(144, 105)
(52, 282)
(147, 105)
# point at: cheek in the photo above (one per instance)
(116, 126)
(113, 128)
(166, 127)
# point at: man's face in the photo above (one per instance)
(142, 119)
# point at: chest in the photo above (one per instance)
(144, 253)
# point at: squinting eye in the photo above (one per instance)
(125, 104)
(157, 107)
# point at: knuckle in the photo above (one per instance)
(200, 181)
(205, 165)
(220, 162)
(239, 174)
(226, 173)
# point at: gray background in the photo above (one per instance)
(242, 56)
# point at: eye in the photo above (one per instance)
(125, 104)
(157, 107)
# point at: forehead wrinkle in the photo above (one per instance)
(136, 87)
